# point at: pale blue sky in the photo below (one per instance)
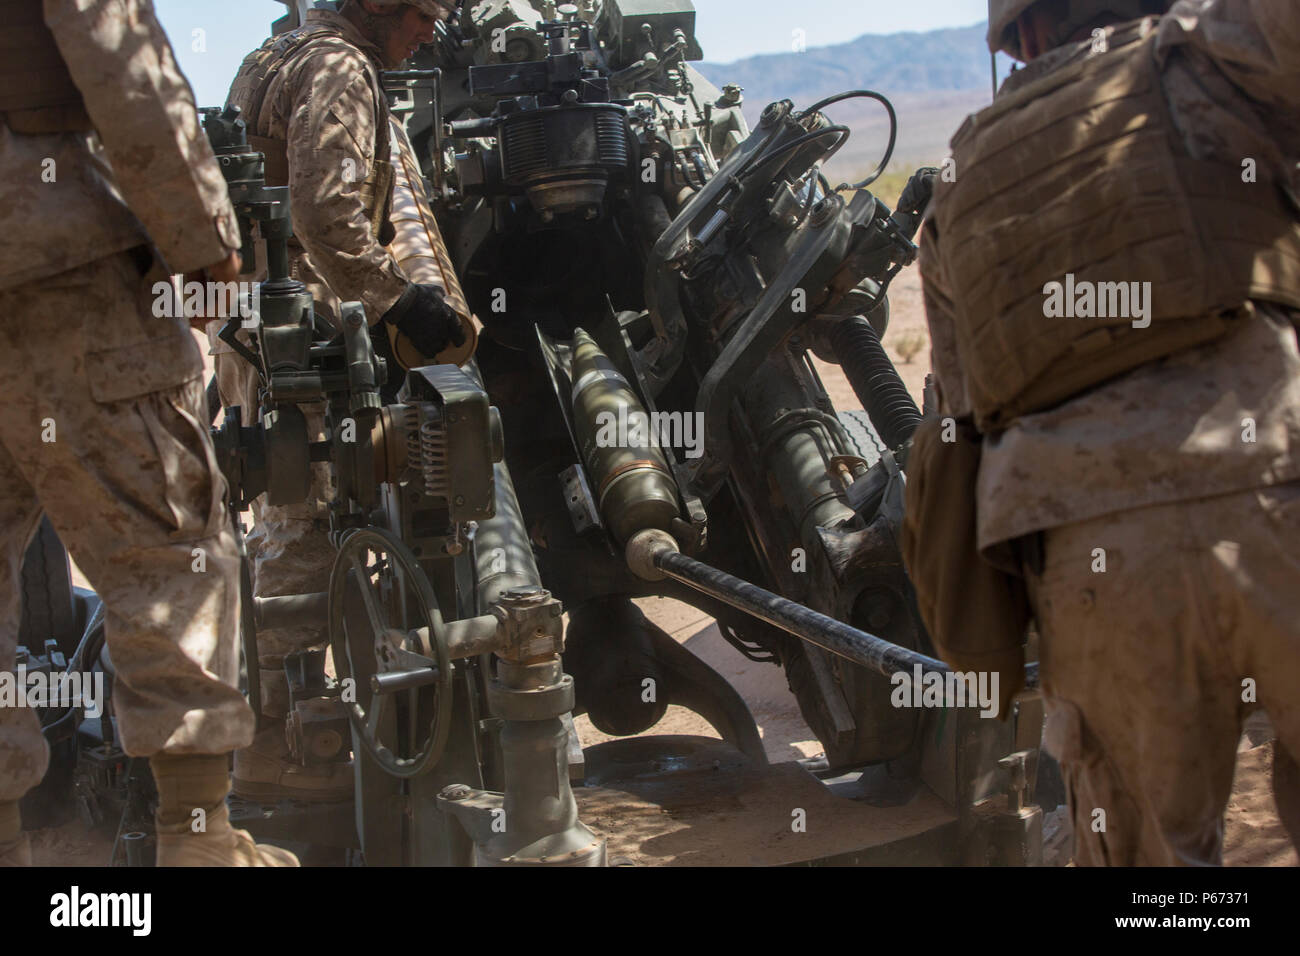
(727, 29)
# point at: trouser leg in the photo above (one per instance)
(1254, 551)
(290, 552)
(1144, 707)
(105, 419)
(24, 754)
(288, 545)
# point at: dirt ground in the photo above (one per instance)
(1253, 834)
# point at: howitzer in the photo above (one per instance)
(616, 222)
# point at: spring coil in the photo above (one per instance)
(433, 459)
(611, 139)
(874, 379)
(523, 147)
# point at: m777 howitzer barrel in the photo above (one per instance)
(653, 554)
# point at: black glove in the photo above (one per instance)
(916, 194)
(423, 316)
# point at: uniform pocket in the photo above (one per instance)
(193, 486)
(145, 365)
(130, 371)
(145, 348)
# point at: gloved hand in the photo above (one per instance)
(423, 316)
(916, 194)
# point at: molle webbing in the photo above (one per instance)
(37, 94)
(253, 84)
(1082, 172)
(275, 54)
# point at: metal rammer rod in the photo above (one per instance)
(654, 551)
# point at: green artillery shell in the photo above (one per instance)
(633, 485)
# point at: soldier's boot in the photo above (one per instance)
(15, 848)
(191, 783)
(265, 770)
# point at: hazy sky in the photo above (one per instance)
(211, 36)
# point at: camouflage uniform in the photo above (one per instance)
(103, 424)
(1184, 471)
(315, 94)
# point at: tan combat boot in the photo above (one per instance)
(16, 852)
(218, 844)
(265, 771)
(193, 823)
(15, 848)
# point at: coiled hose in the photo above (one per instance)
(874, 379)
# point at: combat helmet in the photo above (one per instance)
(1003, 14)
(431, 8)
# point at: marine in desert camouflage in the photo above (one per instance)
(1146, 466)
(316, 107)
(102, 427)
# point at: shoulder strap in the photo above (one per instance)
(282, 50)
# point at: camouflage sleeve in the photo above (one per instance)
(143, 109)
(950, 382)
(331, 142)
(1255, 43)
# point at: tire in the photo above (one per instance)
(47, 594)
(863, 440)
(873, 741)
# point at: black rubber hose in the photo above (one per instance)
(874, 379)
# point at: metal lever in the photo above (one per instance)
(394, 681)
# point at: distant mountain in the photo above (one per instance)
(934, 80)
(940, 60)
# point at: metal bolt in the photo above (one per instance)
(822, 212)
(525, 594)
(1014, 764)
